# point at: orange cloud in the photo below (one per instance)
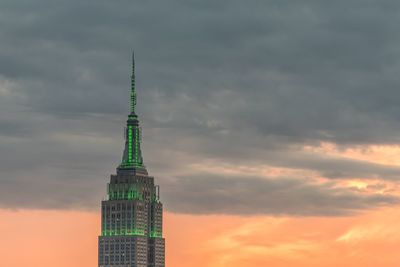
(369, 239)
(69, 238)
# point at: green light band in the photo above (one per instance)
(137, 147)
(123, 232)
(130, 143)
(123, 192)
(155, 234)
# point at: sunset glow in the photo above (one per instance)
(48, 238)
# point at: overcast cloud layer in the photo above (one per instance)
(240, 83)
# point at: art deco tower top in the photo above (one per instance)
(132, 158)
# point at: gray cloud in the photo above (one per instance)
(239, 83)
(208, 194)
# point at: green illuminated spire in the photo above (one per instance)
(132, 157)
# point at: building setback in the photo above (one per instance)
(131, 217)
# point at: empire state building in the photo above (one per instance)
(131, 217)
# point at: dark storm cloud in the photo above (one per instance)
(207, 194)
(246, 83)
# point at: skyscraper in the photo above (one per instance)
(131, 217)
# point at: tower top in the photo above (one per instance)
(132, 158)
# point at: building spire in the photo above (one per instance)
(132, 157)
(133, 89)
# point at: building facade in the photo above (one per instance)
(132, 215)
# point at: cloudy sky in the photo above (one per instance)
(272, 127)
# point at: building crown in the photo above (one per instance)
(132, 157)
